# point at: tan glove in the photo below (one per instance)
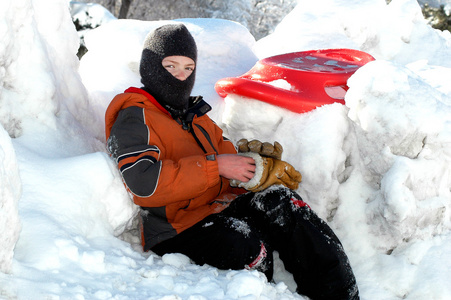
(270, 171)
(264, 149)
(276, 171)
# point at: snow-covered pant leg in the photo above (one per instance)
(223, 241)
(306, 244)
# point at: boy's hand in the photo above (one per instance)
(236, 167)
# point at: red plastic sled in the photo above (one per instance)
(317, 77)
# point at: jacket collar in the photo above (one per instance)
(148, 96)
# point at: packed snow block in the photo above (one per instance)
(39, 80)
(401, 124)
(10, 192)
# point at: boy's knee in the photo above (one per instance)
(249, 252)
(263, 262)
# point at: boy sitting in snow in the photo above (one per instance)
(198, 196)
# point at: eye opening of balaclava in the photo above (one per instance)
(170, 92)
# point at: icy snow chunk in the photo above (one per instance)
(176, 259)
(244, 284)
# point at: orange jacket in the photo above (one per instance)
(173, 177)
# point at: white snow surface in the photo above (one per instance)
(377, 169)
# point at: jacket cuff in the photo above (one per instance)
(212, 169)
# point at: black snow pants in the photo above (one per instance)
(254, 225)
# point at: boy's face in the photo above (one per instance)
(181, 67)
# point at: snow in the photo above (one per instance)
(377, 169)
(10, 192)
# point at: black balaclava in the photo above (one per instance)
(172, 93)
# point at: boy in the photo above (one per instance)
(178, 167)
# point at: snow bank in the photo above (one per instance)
(40, 80)
(44, 105)
(10, 192)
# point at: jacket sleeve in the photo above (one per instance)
(137, 161)
(153, 180)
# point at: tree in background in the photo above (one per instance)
(259, 16)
